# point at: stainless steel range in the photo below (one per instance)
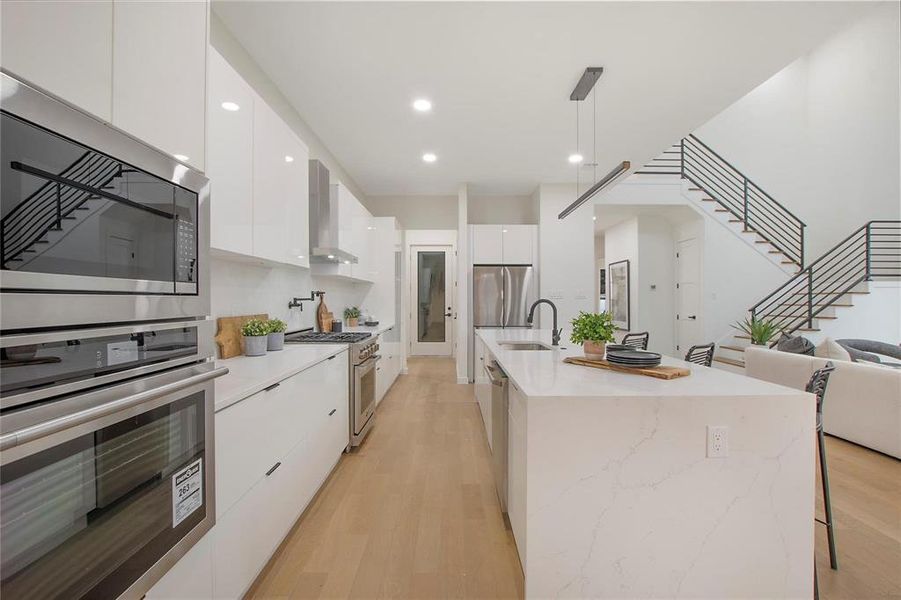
(363, 355)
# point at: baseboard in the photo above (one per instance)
(462, 380)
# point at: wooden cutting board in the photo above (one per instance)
(228, 334)
(660, 371)
(323, 316)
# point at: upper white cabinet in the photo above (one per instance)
(487, 245)
(518, 244)
(63, 46)
(280, 190)
(504, 244)
(159, 74)
(230, 157)
(259, 174)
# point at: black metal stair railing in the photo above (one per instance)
(756, 210)
(55, 202)
(871, 252)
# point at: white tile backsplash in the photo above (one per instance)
(240, 288)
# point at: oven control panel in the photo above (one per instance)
(370, 349)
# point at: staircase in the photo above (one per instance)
(827, 286)
(720, 189)
(57, 207)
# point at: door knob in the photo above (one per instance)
(692, 317)
(448, 314)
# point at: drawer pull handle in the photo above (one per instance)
(271, 387)
(334, 410)
(272, 470)
(332, 357)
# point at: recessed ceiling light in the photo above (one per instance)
(422, 105)
(231, 106)
(300, 256)
(289, 158)
(346, 262)
(594, 218)
(429, 157)
(331, 256)
(180, 157)
(575, 158)
(370, 228)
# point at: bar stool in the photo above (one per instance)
(817, 386)
(636, 340)
(701, 354)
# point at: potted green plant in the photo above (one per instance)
(593, 331)
(256, 334)
(352, 316)
(276, 338)
(761, 331)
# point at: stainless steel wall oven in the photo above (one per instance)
(107, 472)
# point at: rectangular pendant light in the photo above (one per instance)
(604, 182)
(586, 83)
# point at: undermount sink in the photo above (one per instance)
(524, 346)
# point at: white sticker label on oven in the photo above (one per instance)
(187, 491)
(121, 352)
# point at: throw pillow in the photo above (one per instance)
(795, 344)
(860, 355)
(829, 348)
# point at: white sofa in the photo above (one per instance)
(862, 403)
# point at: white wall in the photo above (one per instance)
(874, 316)
(416, 212)
(656, 282)
(223, 41)
(822, 136)
(244, 288)
(502, 210)
(566, 255)
(463, 322)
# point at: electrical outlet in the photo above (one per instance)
(717, 441)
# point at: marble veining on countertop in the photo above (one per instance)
(249, 374)
(544, 374)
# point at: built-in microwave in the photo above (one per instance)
(95, 226)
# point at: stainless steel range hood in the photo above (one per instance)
(325, 245)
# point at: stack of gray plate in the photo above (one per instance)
(622, 356)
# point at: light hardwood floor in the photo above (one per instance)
(413, 513)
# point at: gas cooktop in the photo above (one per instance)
(318, 337)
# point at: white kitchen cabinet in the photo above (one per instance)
(230, 158)
(63, 46)
(482, 385)
(159, 74)
(191, 577)
(487, 245)
(516, 469)
(517, 243)
(363, 243)
(280, 190)
(270, 467)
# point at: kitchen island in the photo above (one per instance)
(612, 493)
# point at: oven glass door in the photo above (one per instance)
(364, 393)
(89, 516)
(76, 219)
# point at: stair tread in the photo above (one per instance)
(730, 361)
(721, 210)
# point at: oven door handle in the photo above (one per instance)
(35, 432)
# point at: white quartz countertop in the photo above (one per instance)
(379, 329)
(247, 375)
(543, 374)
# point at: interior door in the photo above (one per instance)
(688, 295)
(432, 301)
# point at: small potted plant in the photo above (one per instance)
(276, 338)
(593, 331)
(256, 336)
(761, 331)
(352, 316)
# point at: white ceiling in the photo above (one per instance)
(499, 75)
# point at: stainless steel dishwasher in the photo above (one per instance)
(499, 384)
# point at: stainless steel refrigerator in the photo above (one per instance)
(501, 296)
